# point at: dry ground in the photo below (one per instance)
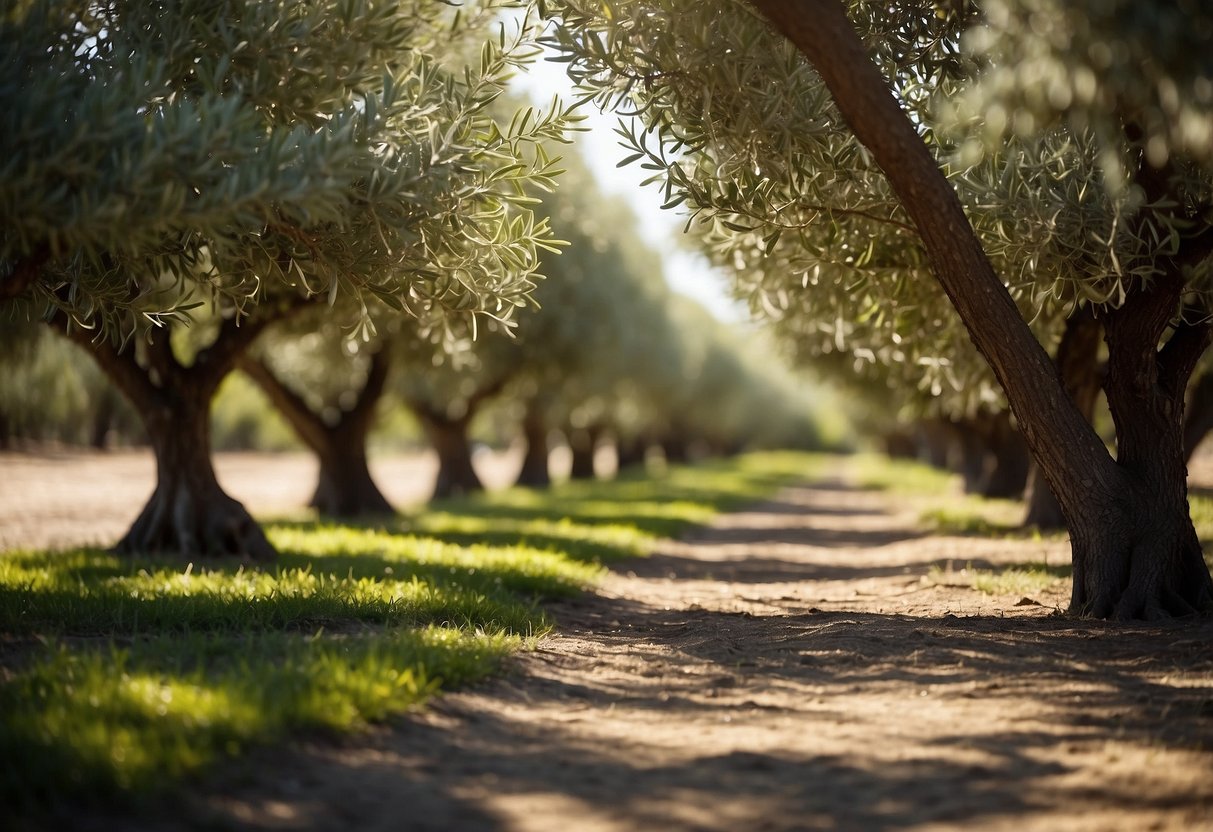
(795, 666)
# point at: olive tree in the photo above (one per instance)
(254, 157)
(759, 92)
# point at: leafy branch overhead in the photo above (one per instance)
(232, 152)
(742, 135)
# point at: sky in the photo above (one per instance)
(686, 272)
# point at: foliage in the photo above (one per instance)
(779, 191)
(153, 160)
(49, 391)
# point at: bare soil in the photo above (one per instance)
(810, 663)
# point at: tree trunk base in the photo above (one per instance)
(1152, 577)
(349, 492)
(196, 525)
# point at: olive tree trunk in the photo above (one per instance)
(1010, 461)
(535, 472)
(631, 452)
(449, 439)
(1134, 549)
(583, 442)
(188, 514)
(935, 439)
(344, 487)
(1078, 363)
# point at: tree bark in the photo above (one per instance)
(345, 487)
(1145, 560)
(631, 453)
(535, 472)
(583, 443)
(899, 444)
(188, 514)
(449, 438)
(675, 449)
(1078, 363)
(102, 421)
(1131, 536)
(1007, 459)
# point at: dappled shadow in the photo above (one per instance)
(767, 570)
(819, 536)
(820, 719)
(703, 669)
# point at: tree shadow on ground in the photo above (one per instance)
(711, 667)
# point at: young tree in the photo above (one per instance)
(764, 122)
(154, 160)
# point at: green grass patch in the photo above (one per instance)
(902, 476)
(120, 677)
(1022, 579)
(107, 722)
(945, 509)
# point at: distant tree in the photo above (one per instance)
(256, 157)
(328, 388)
(445, 388)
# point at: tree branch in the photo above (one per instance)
(488, 391)
(236, 334)
(1070, 453)
(307, 424)
(1179, 356)
(120, 367)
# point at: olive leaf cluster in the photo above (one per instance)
(743, 136)
(154, 156)
(1091, 64)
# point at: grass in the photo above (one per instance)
(945, 509)
(121, 678)
(1022, 579)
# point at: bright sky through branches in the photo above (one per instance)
(686, 271)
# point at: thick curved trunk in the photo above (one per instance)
(1078, 363)
(188, 514)
(535, 472)
(449, 439)
(583, 443)
(344, 487)
(1135, 554)
(1144, 560)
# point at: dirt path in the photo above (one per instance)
(57, 499)
(791, 667)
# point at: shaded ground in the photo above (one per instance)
(797, 666)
